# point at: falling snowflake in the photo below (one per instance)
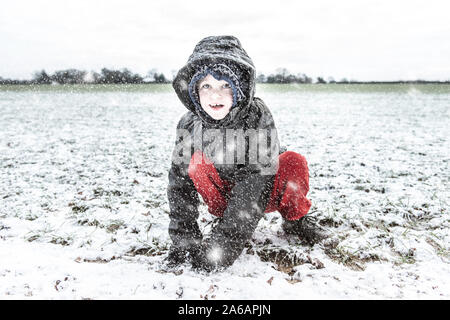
(183, 85)
(292, 185)
(215, 254)
(244, 214)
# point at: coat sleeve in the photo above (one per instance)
(182, 196)
(246, 206)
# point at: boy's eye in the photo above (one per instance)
(205, 86)
(226, 86)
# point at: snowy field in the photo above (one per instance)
(84, 212)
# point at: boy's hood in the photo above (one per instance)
(213, 50)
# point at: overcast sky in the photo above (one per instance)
(360, 40)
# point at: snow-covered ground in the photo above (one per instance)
(83, 207)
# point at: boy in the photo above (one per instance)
(227, 150)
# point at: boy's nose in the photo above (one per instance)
(215, 95)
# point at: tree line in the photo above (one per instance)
(125, 76)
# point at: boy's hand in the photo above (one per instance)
(198, 259)
(211, 256)
(175, 257)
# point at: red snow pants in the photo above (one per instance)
(288, 195)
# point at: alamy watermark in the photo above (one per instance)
(254, 147)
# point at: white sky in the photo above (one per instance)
(361, 40)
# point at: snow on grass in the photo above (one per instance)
(84, 212)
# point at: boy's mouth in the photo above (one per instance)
(216, 106)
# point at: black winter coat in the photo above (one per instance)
(253, 181)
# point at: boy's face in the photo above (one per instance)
(216, 97)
